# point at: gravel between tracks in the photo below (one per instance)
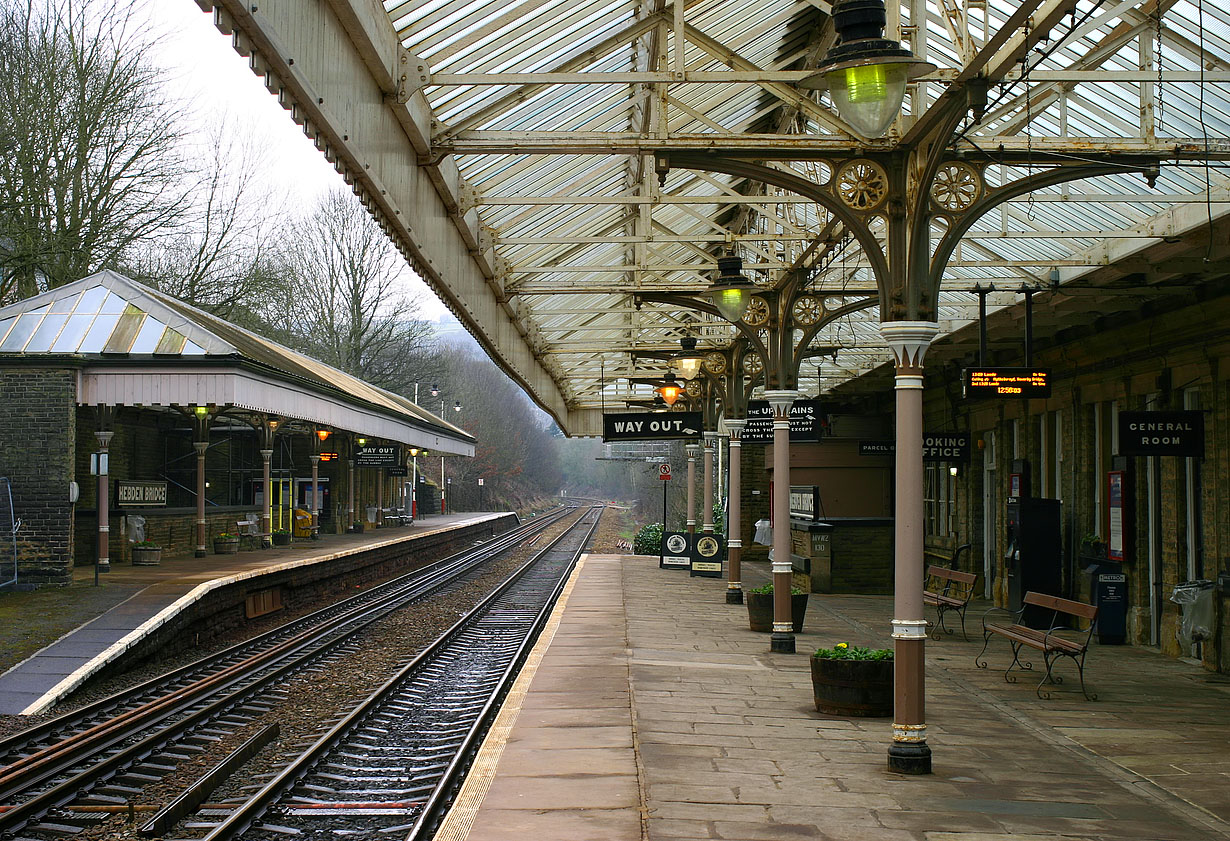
(316, 697)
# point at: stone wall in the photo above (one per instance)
(37, 455)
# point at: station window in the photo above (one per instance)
(939, 500)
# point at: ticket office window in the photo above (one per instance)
(939, 500)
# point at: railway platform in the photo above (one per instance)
(147, 600)
(648, 710)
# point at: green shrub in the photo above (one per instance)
(648, 540)
(767, 589)
(845, 651)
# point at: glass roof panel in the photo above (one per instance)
(5, 324)
(149, 336)
(20, 333)
(96, 339)
(91, 299)
(120, 340)
(72, 334)
(64, 304)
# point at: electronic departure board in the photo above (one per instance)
(1007, 382)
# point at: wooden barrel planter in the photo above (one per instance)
(146, 556)
(226, 547)
(760, 611)
(853, 687)
(281, 538)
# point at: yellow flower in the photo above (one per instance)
(842, 645)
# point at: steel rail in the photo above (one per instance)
(35, 770)
(213, 664)
(251, 810)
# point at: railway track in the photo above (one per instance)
(390, 766)
(96, 757)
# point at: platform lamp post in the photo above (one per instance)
(443, 481)
(322, 435)
(200, 443)
(269, 429)
(889, 199)
(414, 482)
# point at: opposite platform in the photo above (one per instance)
(166, 591)
(652, 712)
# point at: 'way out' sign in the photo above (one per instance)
(651, 426)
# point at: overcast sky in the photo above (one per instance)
(216, 82)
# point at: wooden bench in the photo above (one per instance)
(948, 590)
(1061, 637)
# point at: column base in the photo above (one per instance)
(734, 596)
(104, 566)
(200, 553)
(780, 643)
(909, 758)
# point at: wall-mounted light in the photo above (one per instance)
(953, 470)
(864, 72)
(731, 291)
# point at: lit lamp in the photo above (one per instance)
(864, 72)
(687, 361)
(670, 390)
(731, 292)
(323, 434)
(456, 405)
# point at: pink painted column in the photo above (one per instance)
(711, 439)
(909, 753)
(315, 459)
(734, 514)
(782, 641)
(267, 507)
(201, 447)
(693, 451)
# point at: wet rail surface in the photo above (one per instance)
(390, 767)
(98, 755)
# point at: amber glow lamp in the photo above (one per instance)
(669, 390)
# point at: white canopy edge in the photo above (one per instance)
(221, 387)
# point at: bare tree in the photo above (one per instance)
(89, 161)
(347, 302)
(222, 257)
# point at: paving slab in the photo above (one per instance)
(726, 743)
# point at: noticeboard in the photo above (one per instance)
(676, 550)
(379, 456)
(1021, 383)
(707, 556)
(805, 422)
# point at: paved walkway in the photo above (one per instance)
(39, 681)
(654, 713)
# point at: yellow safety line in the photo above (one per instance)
(460, 818)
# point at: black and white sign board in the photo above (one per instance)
(676, 550)
(651, 426)
(805, 423)
(1161, 434)
(377, 456)
(707, 556)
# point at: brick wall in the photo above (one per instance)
(37, 456)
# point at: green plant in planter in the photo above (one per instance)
(145, 544)
(224, 535)
(852, 680)
(767, 589)
(845, 651)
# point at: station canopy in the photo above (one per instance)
(138, 347)
(520, 154)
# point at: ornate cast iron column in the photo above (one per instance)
(104, 501)
(909, 753)
(707, 509)
(201, 447)
(315, 459)
(734, 514)
(781, 400)
(693, 451)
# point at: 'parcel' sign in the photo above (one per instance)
(651, 426)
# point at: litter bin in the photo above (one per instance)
(303, 523)
(1109, 587)
(1196, 598)
(371, 512)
